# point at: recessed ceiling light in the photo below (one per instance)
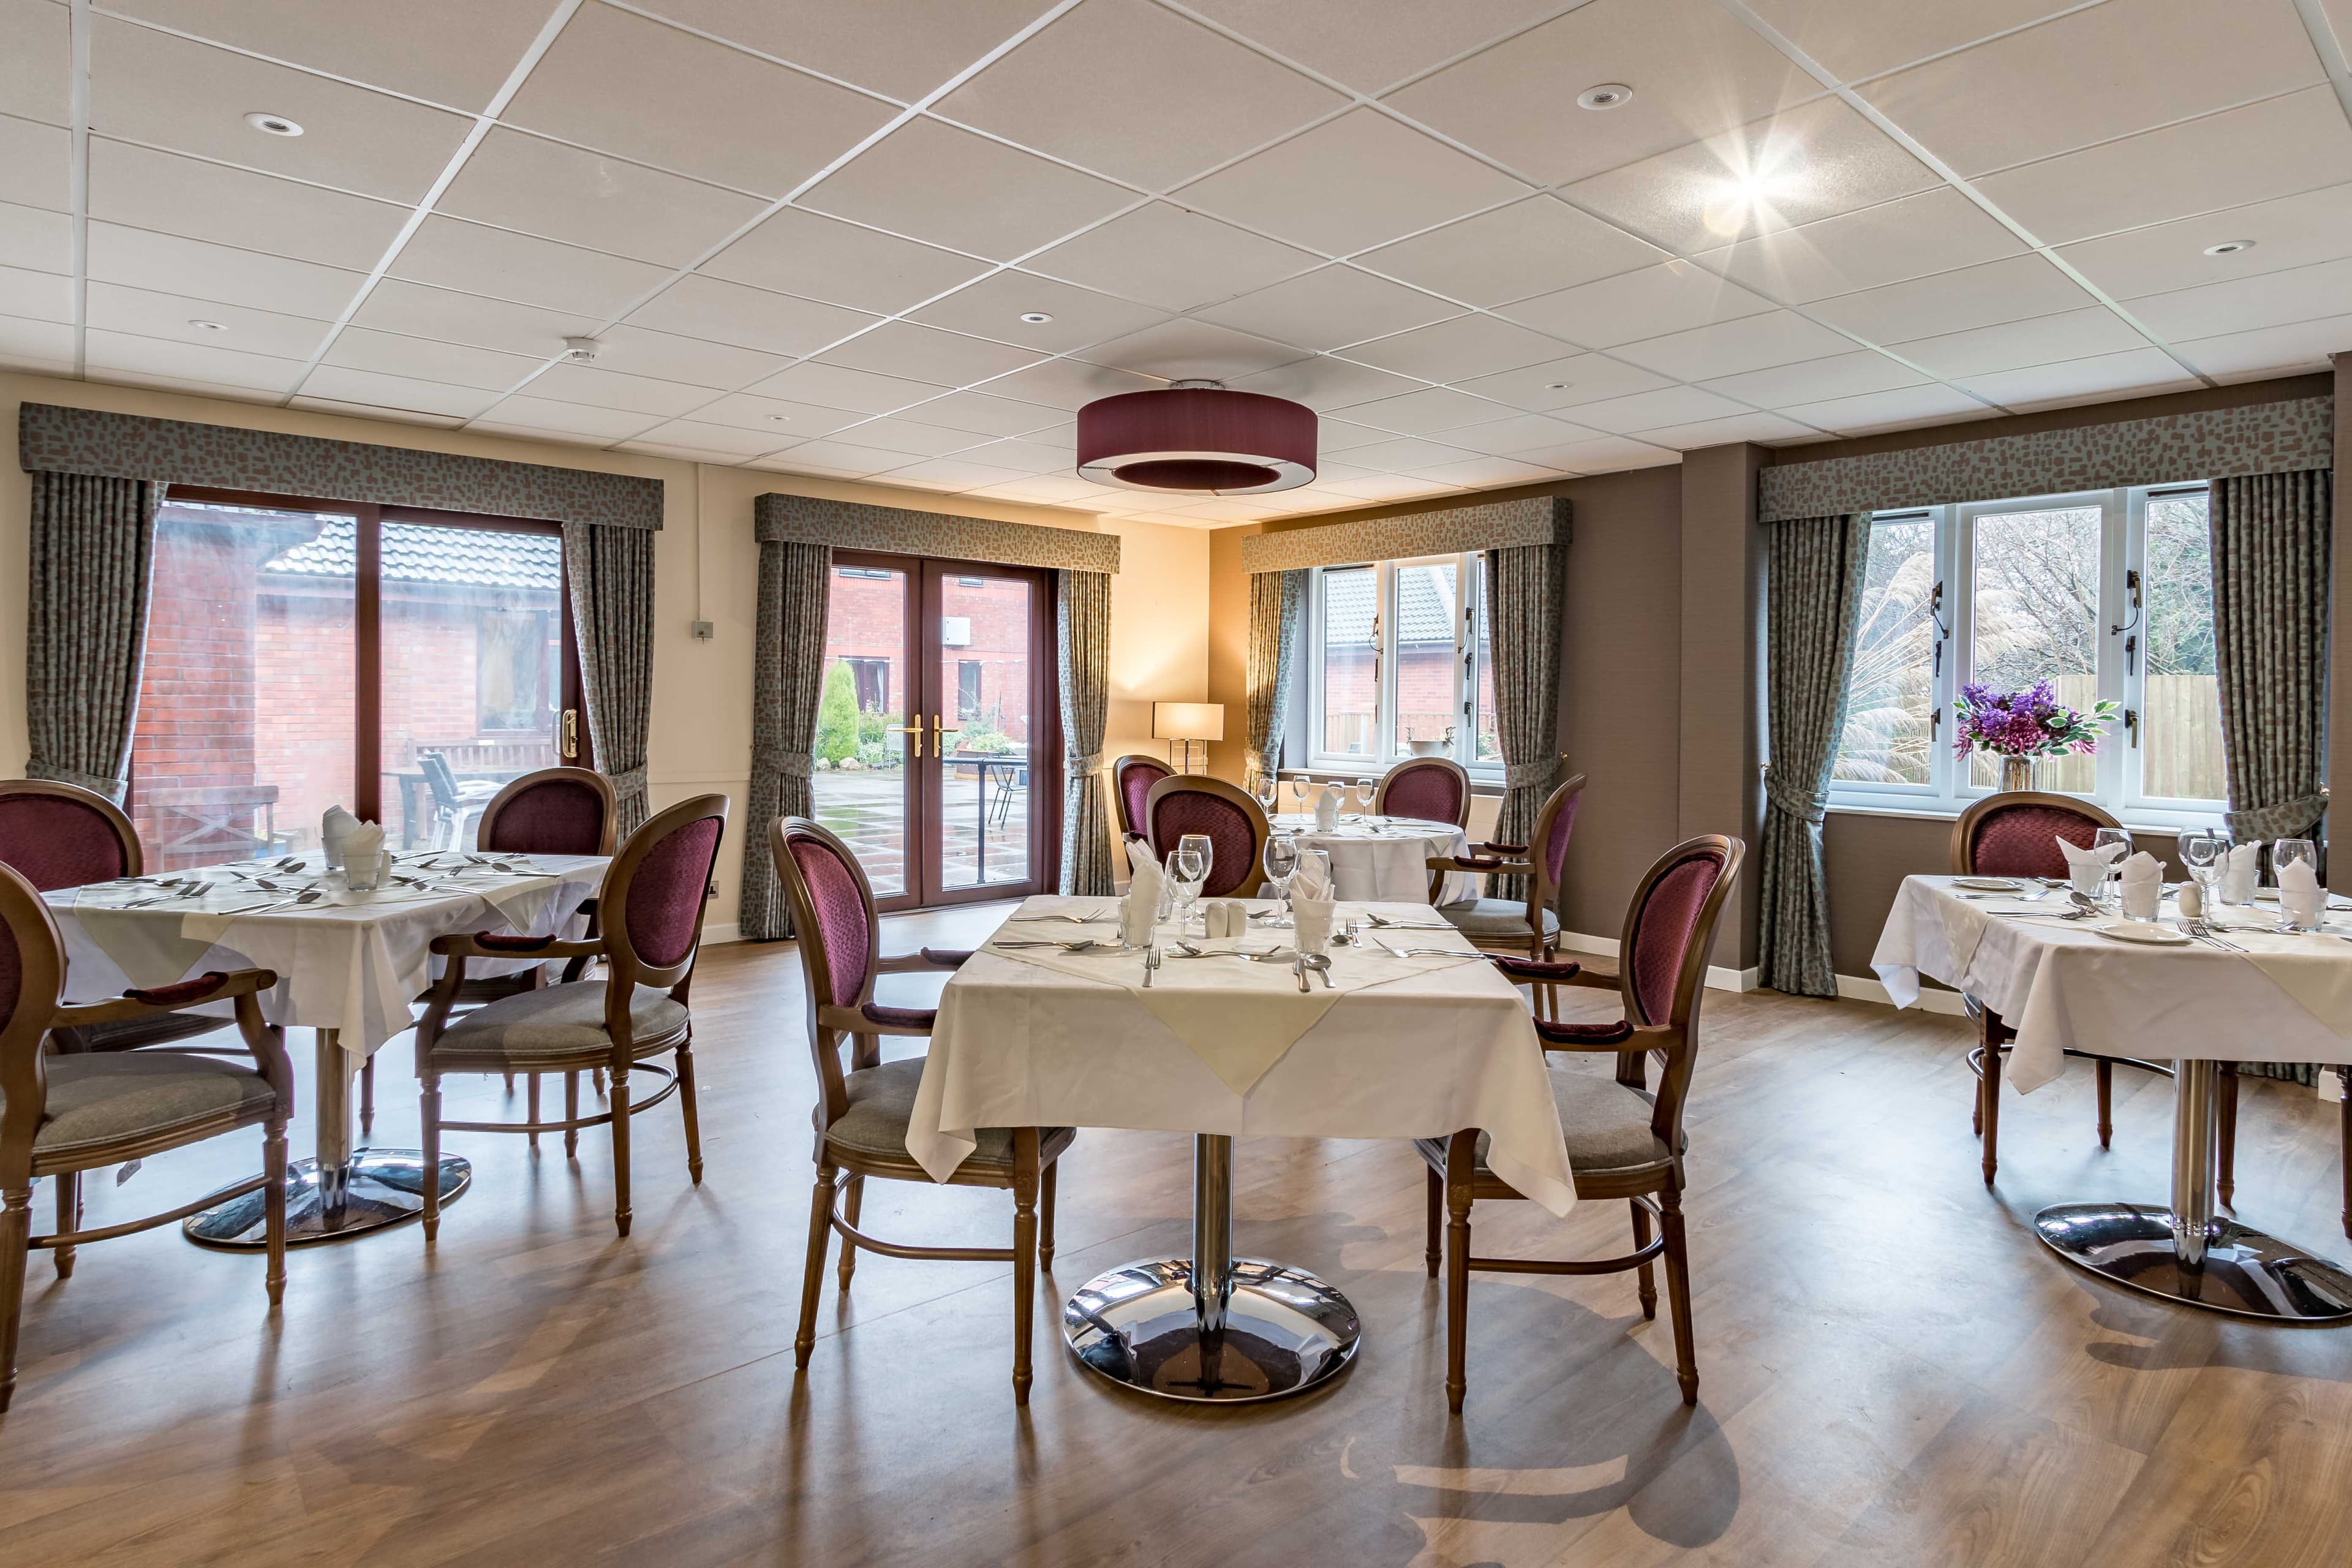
(208, 326)
(1035, 318)
(781, 419)
(1607, 95)
(274, 125)
(2229, 248)
(1558, 385)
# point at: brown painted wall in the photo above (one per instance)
(1722, 684)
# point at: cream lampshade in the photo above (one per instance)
(1186, 722)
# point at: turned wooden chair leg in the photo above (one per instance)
(273, 1208)
(692, 1113)
(1649, 1282)
(621, 1213)
(1975, 1106)
(367, 1094)
(1045, 1184)
(596, 1079)
(570, 1114)
(853, 1198)
(530, 1111)
(1024, 1278)
(428, 1112)
(1458, 1295)
(2225, 1135)
(16, 1239)
(69, 1217)
(2107, 1077)
(1435, 1252)
(2344, 1115)
(1669, 1221)
(1992, 1103)
(813, 1272)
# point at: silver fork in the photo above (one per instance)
(1150, 964)
(2203, 931)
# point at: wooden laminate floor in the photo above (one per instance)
(1893, 1369)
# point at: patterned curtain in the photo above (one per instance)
(93, 542)
(787, 688)
(1278, 613)
(2271, 536)
(612, 573)
(1524, 592)
(1814, 615)
(1082, 654)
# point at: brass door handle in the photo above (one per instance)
(939, 747)
(916, 730)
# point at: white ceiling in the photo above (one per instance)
(805, 234)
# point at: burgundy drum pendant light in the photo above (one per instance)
(1196, 436)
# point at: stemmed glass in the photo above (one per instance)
(2100, 840)
(1281, 861)
(2206, 853)
(1266, 790)
(1364, 791)
(1188, 869)
(2288, 852)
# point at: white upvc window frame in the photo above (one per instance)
(2121, 663)
(1469, 592)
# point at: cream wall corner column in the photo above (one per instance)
(1722, 686)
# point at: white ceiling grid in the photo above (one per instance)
(806, 237)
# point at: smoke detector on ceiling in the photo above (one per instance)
(580, 350)
(1608, 95)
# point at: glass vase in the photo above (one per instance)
(2016, 773)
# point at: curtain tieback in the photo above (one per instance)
(1530, 776)
(1079, 767)
(628, 781)
(1807, 806)
(791, 764)
(97, 784)
(2287, 819)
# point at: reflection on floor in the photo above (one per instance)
(1895, 1372)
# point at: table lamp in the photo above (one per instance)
(1185, 722)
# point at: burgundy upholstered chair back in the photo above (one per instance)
(1234, 839)
(2016, 835)
(556, 812)
(1135, 777)
(1429, 788)
(1563, 824)
(668, 863)
(61, 840)
(1665, 926)
(845, 916)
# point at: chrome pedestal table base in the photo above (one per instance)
(2186, 1252)
(361, 1190)
(1211, 1329)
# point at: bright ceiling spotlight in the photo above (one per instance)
(272, 125)
(1776, 169)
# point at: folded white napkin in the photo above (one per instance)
(1326, 809)
(2087, 869)
(2301, 899)
(1140, 909)
(333, 829)
(2238, 873)
(1313, 877)
(363, 857)
(2143, 885)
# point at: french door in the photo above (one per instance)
(938, 734)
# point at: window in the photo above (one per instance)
(1400, 653)
(870, 678)
(968, 690)
(2105, 594)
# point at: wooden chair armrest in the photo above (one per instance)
(491, 944)
(216, 986)
(917, 962)
(1616, 1038)
(850, 1021)
(1494, 866)
(1585, 976)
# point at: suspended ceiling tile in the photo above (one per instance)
(702, 438)
(2141, 370)
(40, 296)
(1695, 70)
(1067, 383)
(1398, 456)
(1329, 309)
(1813, 381)
(141, 258)
(580, 197)
(1894, 410)
(404, 47)
(370, 411)
(1519, 435)
(1603, 454)
(838, 387)
(1379, 488)
(1565, 383)
(2244, 304)
(843, 457)
(2297, 142)
(426, 360)
(2009, 290)
(1426, 412)
(953, 358)
(1178, 350)
(1350, 183)
(984, 416)
(1668, 406)
(1750, 426)
(724, 312)
(37, 67)
(1457, 350)
(951, 474)
(610, 389)
(1374, 44)
(934, 182)
(2097, 73)
(503, 265)
(624, 84)
(1051, 490)
(35, 239)
(147, 189)
(1323, 382)
(1172, 258)
(169, 91)
(349, 385)
(2287, 233)
(36, 164)
(1480, 473)
(901, 434)
(1670, 298)
(39, 345)
(1911, 236)
(524, 414)
(2012, 346)
(1135, 91)
(237, 328)
(786, 420)
(1535, 246)
(2269, 351)
(818, 257)
(1733, 347)
(993, 308)
(1032, 457)
(903, 47)
(1861, 41)
(667, 356)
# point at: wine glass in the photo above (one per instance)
(1281, 861)
(2288, 852)
(2100, 840)
(2205, 852)
(1266, 790)
(1188, 869)
(1364, 790)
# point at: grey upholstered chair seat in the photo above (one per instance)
(1606, 1124)
(106, 1097)
(558, 1021)
(130, 1034)
(1494, 917)
(882, 1102)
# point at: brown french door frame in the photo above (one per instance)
(367, 620)
(1044, 725)
(914, 844)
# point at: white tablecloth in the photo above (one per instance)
(1385, 859)
(2063, 986)
(351, 963)
(1047, 1044)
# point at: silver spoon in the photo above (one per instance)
(1320, 965)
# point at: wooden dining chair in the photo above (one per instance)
(652, 902)
(1131, 778)
(62, 1115)
(1624, 1140)
(1530, 925)
(1429, 789)
(862, 1114)
(1234, 823)
(62, 835)
(2015, 834)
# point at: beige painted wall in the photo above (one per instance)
(706, 568)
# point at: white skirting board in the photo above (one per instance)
(719, 936)
(1717, 977)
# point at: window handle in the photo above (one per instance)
(570, 742)
(2131, 726)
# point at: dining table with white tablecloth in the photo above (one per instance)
(1385, 859)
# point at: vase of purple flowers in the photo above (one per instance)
(2019, 726)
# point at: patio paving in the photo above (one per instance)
(866, 810)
